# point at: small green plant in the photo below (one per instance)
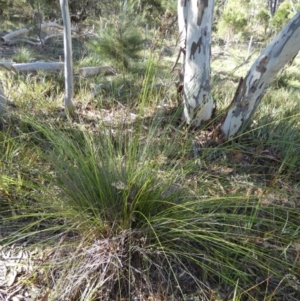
(263, 17)
(23, 55)
(120, 41)
(90, 60)
(236, 21)
(234, 18)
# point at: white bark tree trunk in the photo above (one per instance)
(195, 25)
(252, 88)
(182, 17)
(2, 102)
(69, 108)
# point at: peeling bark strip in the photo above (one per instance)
(198, 16)
(250, 92)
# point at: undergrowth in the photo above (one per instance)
(126, 202)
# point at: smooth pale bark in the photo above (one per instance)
(69, 108)
(182, 17)
(7, 66)
(32, 67)
(195, 24)
(252, 88)
(3, 102)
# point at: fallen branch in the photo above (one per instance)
(7, 66)
(21, 41)
(33, 67)
(55, 66)
(91, 71)
(8, 37)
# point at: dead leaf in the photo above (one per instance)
(236, 156)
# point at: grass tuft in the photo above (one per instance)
(124, 202)
(23, 55)
(140, 224)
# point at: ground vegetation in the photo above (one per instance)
(123, 200)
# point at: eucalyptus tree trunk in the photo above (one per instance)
(69, 108)
(195, 26)
(251, 89)
(195, 22)
(2, 102)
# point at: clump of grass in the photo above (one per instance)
(23, 55)
(18, 178)
(127, 212)
(90, 60)
(275, 128)
(137, 221)
(36, 93)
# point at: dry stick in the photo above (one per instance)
(249, 48)
(181, 50)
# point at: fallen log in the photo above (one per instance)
(45, 66)
(33, 67)
(55, 66)
(91, 71)
(7, 66)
